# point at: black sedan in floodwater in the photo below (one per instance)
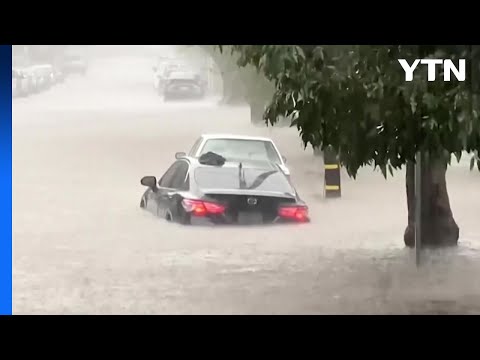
(210, 190)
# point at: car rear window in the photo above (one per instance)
(182, 81)
(237, 149)
(255, 179)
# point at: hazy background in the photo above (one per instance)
(82, 245)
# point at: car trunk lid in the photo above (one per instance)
(247, 207)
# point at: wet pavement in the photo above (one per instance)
(81, 244)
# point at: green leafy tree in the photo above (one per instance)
(355, 100)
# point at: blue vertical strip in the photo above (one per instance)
(5, 180)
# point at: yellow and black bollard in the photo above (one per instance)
(332, 174)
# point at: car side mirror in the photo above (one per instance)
(284, 159)
(149, 181)
(179, 155)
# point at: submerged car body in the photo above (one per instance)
(196, 192)
(239, 147)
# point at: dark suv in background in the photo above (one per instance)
(181, 85)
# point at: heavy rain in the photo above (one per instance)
(84, 136)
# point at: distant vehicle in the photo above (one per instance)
(20, 83)
(33, 79)
(239, 148)
(199, 192)
(175, 67)
(159, 72)
(59, 75)
(75, 64)
(183, 85)
(158, 76)
(44, 75)
(163, 70)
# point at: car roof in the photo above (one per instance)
(234, 137)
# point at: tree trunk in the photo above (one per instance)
(438, 225)
(330, 155)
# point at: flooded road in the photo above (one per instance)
(81, 244)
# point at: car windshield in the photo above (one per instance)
(237, 149)
(171, 69)
(229, 178)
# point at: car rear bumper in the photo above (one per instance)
(223, 222)
(182, 97)
(180, 93)
(183, 91)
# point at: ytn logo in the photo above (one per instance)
(448, 68)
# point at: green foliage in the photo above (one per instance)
(355, 99)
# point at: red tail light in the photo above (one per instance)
(298, 213)
(202, 208)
